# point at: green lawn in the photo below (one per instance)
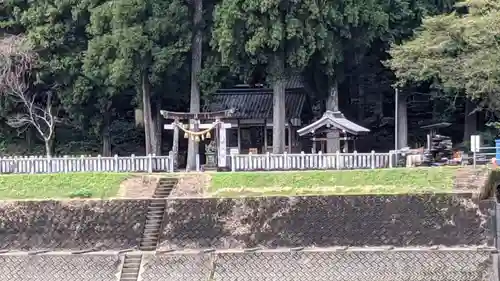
(70, 185)
(380, 181)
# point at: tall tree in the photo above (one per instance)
(277, 34)
(458, 53)
(349, 29)
(196, 63)
(57, 31)
(18, 61)
(135, 42)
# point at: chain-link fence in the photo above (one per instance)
(322, 265)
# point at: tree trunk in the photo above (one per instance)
(378, 110)
(279, 112)
(402, 120)
(196, 52)
(148, 120)
(49, 136)
(361, 101)
(49, 146)
(470, 123)
(106, 135)
(158, 128)
(332, 104)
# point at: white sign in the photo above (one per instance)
(475, 143)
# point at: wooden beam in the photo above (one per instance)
(198, 116)
(201, 126)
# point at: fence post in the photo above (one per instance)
(171, 161)
(49, 164)
(268, 161)
(302, 160)
(285, 161)
(249, 165)
(390, 158)
(320, 162)
(16, 164)
(373, 159)
(337, 160)
(116, 163)
(133, 167)
(356, 159)
(233, 164)
(65, 163)
(32, 164)
(150, 163)
(99, 163)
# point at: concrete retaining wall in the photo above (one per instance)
(60, 267)
(74, 224)
(322, 266)
(317, 264)
(407, 220)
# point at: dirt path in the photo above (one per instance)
(143, 186)
(140, 186)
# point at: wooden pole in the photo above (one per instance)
(265, 136)
(175, 144)
(222, 151)
(239, 136)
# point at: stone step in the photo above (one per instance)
(156, 209)
(164, 192)
(131, 267)
(154, 217)
(151, 229)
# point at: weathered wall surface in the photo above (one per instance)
(407, 220)
(322, 266)
(59, 268)
(74, 224)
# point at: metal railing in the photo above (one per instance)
(484, 155)
(314, 161)
(70, 164)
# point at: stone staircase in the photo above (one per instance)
(131, 267)
(468, 178)
(156, 211)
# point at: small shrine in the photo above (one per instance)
(198, 131)
(329, 122)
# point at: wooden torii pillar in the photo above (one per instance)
(216, 116)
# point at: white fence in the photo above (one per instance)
(68, 164)
(319, 161)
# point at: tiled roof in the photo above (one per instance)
(335, 119)
(251, 103)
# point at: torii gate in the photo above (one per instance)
(194, 130)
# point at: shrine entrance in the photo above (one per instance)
(197, 131)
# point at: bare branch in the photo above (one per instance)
(17, 60)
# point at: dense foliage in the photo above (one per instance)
(112, 65)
